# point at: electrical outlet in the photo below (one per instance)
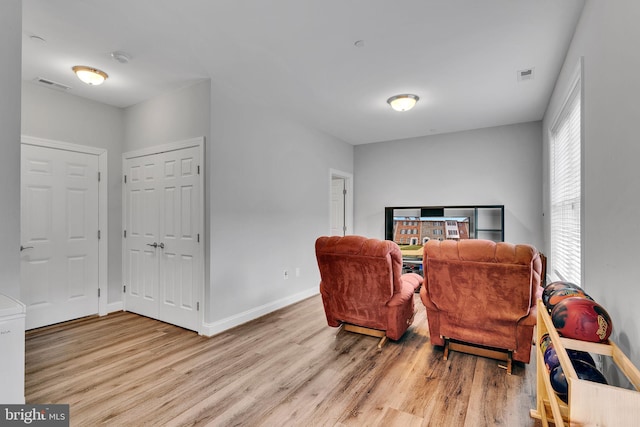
(286, 274)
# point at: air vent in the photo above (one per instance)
(51, 84)
(525, 74)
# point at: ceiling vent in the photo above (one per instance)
(524, 75)
(49, 83)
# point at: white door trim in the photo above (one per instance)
(348, 202)
(103, 223)
(178, 145)
(157, 149)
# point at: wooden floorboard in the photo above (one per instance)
(285, 369)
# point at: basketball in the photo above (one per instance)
(554, 286)
(584, 371)
(582, 319)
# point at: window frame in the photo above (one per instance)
(576, 83)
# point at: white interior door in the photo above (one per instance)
(338, 194)
(59, 235)
(142, 208)
(179, 238)
(163, 258)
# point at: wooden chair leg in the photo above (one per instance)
(366, 331)
(506, 356)
(509, 360)
(382, 342)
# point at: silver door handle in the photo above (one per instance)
(22, 248)
(161, 245)
(154, 244)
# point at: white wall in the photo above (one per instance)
(267, 193)
(10, 77)
(607, 37)
(499, 165)
(269, 182)
(60, 116)
(173, 116)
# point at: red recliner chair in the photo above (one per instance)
(482, 293)
(362, 286)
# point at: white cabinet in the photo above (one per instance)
(12, 313)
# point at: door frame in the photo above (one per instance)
(103, 207)
(197, 142)
(348, 200)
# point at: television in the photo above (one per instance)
(414, 225)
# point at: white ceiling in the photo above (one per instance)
(298, 56)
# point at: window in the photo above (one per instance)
(565, 188)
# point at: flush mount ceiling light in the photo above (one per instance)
(403, 102)
(89, 75)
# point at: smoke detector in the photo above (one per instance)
(121, 57)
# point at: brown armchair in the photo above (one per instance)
(362, 286)
(482, 293)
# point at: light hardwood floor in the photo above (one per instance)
(285, 369)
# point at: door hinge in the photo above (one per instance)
(344, 192)
(99, 176)
(198, 237)
(124, 289)
(125, 179)
(198, 306)
(98, 292)
(125, 234)
(198, 169)
(98, 234)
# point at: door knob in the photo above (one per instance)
(161, 245)
(22, 248)
(154, 244)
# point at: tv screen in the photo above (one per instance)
(417, 225)
(417, 230)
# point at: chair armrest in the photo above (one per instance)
(400, 298)
(412, 278)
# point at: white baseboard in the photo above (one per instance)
(210, 329)
(115, 306)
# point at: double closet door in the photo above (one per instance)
(163, 253)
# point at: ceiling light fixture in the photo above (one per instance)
(89, 75)
(403, 102)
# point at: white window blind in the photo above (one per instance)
(565, 189)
